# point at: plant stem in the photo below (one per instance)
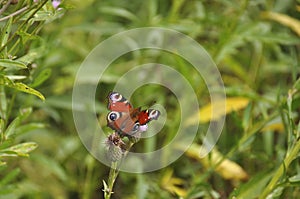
(89, 175)
(287, 161)
(24, 23)
(5, 6)
(113, 174)
(14, 14)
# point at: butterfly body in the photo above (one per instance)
(125, 119)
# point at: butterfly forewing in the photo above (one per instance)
(118, 103)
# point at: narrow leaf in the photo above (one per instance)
(20, 86)
(120, 12)
(3, 103)
(295, 179)
(33, 54)
(10, 176)
(27, 89)
(227, 168)
(253, 188)
(16, 77)
(277, 126)
(173, 184)
(5, 32)
(10, 131)
(29, 127)
(20, 149)
(42, 77)
(12, 64)
(285, 20)
(218, 109)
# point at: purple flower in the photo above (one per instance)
(56, 3)
(144, 127)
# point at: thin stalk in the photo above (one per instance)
(14, 47)
(113, 174)
(5, 6)
(246, 136)
(14, 13)
(88, 179)
(10, 107)
(287, 161)
(24, 23)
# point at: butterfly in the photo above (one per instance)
(126, 120)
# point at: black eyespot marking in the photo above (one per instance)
(136, 127)
(113, 116)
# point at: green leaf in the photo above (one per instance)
(297, 84)
(47, 15)
(12, 64)
(27, 89)
(120, 12)
(9, 177)
(20, 86)
(10, 131)
(295, 179)
(12, 128)
(19, 150)
(53, 166)
(42, 77)
(254, 187)
(3, 103)
(5, 81)
(28, 127)
(105, 186)
(16, 77)
(5, 32)
(2, 163)
(2, 126)
(5, 144)
(26, 36)
(24, 113)
(33, 54)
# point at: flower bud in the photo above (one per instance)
(115, 147)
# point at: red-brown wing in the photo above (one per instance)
(146, 116)
(116, 102)
(122, 118)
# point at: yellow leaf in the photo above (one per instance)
(218, 109)
(283, 19)
(171, 184)
(274, 127)
(227, 168)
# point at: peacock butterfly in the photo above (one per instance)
(126, 120)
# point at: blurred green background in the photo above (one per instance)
(255, 44)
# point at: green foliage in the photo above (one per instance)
(20, 26)
(41, 49)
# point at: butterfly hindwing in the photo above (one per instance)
(146, 116)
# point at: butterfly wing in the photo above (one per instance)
(121, 118)
(146, 116)
(126, 120)
(116, 102)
